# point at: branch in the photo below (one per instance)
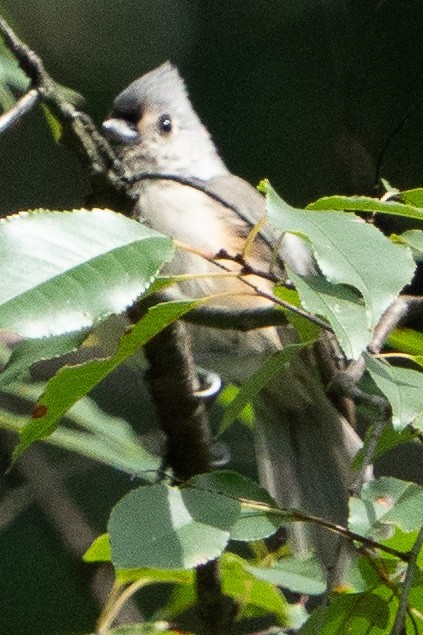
(398, 626)
(215, 260)
(19, 110)
(96, 153)
(174, 385)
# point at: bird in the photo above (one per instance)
(304, 445)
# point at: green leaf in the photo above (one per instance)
(386, 503)
(306, 330)
(253, 523)
(55, 125)
(389, 439)
(300, 575)
(403, 388)
(343, 246)
(73, 382)
(150, 628)
(250, 389)
(414, 239)
(156, 576)
(99, 551)
(356, 614)
(341, 305)
(406, 340)
(102, 437)
(11, 77)
(64, 271)
(170, 528)
(249, 591)
(366, 204)
(28, 352)
(413, 197)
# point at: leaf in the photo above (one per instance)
(170, 528)
(403, 388)
(55, 125)
(406, 340)
(367, 204)
(73, 382)
(253, 523)
(99, 551)
(147, 628)
(413, 197)
(386, 503)
(28, 352)
(299, 575)
(342, 307)
(249, 591)
(390, 438)
(64, 271)
(250, 388)
(104, 438)
(414, 239)
(344, 246)
(356, 614)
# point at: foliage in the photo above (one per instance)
(57, 269)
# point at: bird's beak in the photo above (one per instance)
(120, 130)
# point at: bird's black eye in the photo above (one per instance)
(165, 124)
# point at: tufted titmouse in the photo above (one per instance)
(304, 446)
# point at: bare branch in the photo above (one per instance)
(19, 110)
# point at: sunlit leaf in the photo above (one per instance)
(249, 591)
(73, 382)
(64, 271)
(99, 551)
(343, 246)
(170, 528)
(367, 204)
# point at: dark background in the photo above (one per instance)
(307, 93)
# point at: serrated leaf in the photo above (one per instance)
(64, 271)
(253, 523)
(249, 591)
(300, 575)
(170, 528)
(250, 388)
(28, 352)
(344, 245)
(366, 204)
(385, 503)
(403, 388)
(73, 382)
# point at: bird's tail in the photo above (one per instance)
(304, 450)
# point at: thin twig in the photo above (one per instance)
(398, 626)
(22, 107)
(214, 259)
